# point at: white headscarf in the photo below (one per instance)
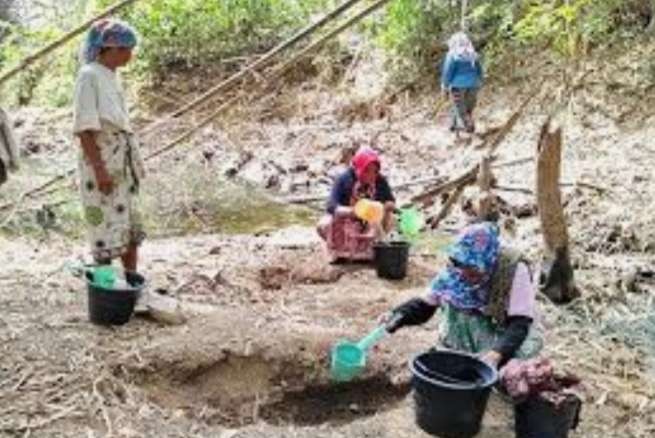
(461, 47)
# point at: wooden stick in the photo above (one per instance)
(188, 133)
(447, 207)
(255, 65)
(29, 60)
(467, 178)
(513, 162)
(470, 176)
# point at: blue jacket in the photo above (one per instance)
(460, 73)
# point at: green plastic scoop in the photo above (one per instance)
(349, 358)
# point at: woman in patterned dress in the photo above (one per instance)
(110, 166)
(487, 297)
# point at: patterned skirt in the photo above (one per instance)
(347, 238)
(113, 221)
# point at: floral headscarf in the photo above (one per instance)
(478, 246)
(461, 47)
(107, 33)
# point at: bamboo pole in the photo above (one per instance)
(187, 134)
(255, 65)
(317, 44)
(30, 59)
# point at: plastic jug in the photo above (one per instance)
(369, 211)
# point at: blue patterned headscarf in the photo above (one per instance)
(478, 246)
(107, 33)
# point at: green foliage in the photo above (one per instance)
(197, 32)
(412, 32)
(46, 83)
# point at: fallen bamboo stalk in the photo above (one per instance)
(511, 163)
(465, 179)
(562, 184)
(447, 207)
(222, 108)
(338, 30)
(252, 67)
(471, 175)
(30, 59)
(306, 199)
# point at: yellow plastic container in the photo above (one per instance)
(369, 211)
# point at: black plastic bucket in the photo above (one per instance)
(444, 408)
(539, 418)
(391, 259)
(113, 306)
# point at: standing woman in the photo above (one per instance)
(110, 165)
(461, 78)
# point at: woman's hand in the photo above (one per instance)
(390, 206)
(344, 211)
(492, 358)
(103, 179)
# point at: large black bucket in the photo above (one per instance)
(451, 391)
(391, 259)
(113, 306)
(539, 418)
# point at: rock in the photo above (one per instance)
(164, 309)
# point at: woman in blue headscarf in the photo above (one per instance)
(110, 166)
(487, 297)
(461, 78)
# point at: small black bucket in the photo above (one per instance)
(444, 408)
(113, 306)
(391, 259)
(539, 418)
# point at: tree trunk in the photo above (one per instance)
(557, 273)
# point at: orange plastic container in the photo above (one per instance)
(369, 211)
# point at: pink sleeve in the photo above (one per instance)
(523, 295)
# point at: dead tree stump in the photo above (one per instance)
(556, 278)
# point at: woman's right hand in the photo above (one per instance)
(413, 312)
(105, 183)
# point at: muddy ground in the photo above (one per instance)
(262, 307)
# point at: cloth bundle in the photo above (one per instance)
(8, 153)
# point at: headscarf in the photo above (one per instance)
(477, 246)
(363, 157)
(461, 47)
(107, 33)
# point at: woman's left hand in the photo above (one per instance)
(492, 358)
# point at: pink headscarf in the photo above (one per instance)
(364, 156)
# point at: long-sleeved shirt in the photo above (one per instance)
(461, 73)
